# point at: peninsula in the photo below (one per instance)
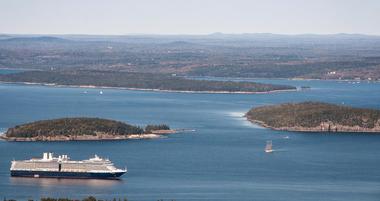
(316, 117)
(66, 129)
(138, 81)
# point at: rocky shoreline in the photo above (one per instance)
(327, 127)
(98, 137)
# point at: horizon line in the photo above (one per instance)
(191, 34)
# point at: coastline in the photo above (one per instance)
(241, 78)
(153, 90)
(21, 69)
(346, 129)
(336, 80)
(285, 78)
(99, 137)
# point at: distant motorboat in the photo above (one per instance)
(268, 147)
(101, 92)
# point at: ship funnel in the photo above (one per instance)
(47, 156)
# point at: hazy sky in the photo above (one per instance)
(189, 16)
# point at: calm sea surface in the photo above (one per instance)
(222, 160)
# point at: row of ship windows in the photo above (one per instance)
(55, 166)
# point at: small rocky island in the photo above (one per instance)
(316, 117)
(83, 128)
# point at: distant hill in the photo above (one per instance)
(4, 36)
(35, 39)
(179, 43)
(316, 117)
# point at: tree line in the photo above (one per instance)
(79, 126)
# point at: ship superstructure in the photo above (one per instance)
(62, 166)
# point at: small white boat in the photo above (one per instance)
(268, 147)
(101, 92)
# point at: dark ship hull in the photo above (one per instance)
(57, 174)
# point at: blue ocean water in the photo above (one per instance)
(222, 160)
(9, 71)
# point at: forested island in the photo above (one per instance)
(83, 128)
(316, 117)
(143, 81)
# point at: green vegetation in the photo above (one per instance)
(150, 128)
(316, 116)
(137, 80)
(77, 126)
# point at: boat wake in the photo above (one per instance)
(279, 150)
(243, 121)
(236, 114)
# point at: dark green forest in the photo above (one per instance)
(78, 126)
(311, 114)
(150, 128)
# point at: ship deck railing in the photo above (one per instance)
(63, 170)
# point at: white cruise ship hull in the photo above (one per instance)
(57, 174)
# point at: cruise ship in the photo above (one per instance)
(63, 167)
